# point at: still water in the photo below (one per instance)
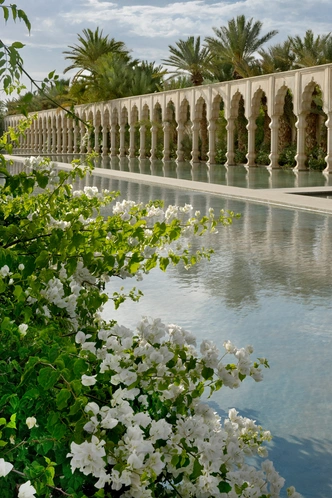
(238, 176)
(268, 284)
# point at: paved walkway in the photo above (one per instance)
(286, 197)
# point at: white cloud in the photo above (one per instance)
(148, 27)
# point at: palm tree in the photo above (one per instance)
(277, 58)
(189, 56)
(311, 50)
(92, 45)
(237, 43)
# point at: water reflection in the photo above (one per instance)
(239, 176)
(268, 284)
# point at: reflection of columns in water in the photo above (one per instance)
(230, 175)
(134, 166)
(218, 174)
(124, 164)
(195, 172)
(325, 243)
(251, 155)
(105, 162)
(132, 191)
(170, 169)
(145, 167)
(301, 155)
(115, 162)
(184, 170)
(156, 166)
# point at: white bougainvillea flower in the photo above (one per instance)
(89, 380)
(26, 490)
(31, 422)
(23, 329)
(4, 271)
(5, 467)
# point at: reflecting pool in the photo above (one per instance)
(238, 176)
(268, 284)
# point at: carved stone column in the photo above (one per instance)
(88, 142)
(64, 138)
(251, 155)
(45, 147)
(166, 151)
(40, 138)
(113, 140)
(142, 134)
(195, 136)
(154, 132)
(274, 154)
(75, 144)
(301, 156)
(58, 138)
(82, 138)
(122, 140)
(53, 148)
(212, 126)
(104, 133)
(179, 150)
(132, 140)
(70, 138)
(328, 157)
(230, 127)
(96, 136)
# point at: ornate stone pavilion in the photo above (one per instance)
(118, 125)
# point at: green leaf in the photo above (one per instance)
(23, 17)
(207, 373)
(17, 45)
(224, 487)
(48, 377)
(197, 470)
(55, 427)
(43, 259)
(62, 398)
(5, 13)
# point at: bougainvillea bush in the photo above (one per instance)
(89, 408)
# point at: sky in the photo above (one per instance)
(148, 27)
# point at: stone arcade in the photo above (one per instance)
(53, 132)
